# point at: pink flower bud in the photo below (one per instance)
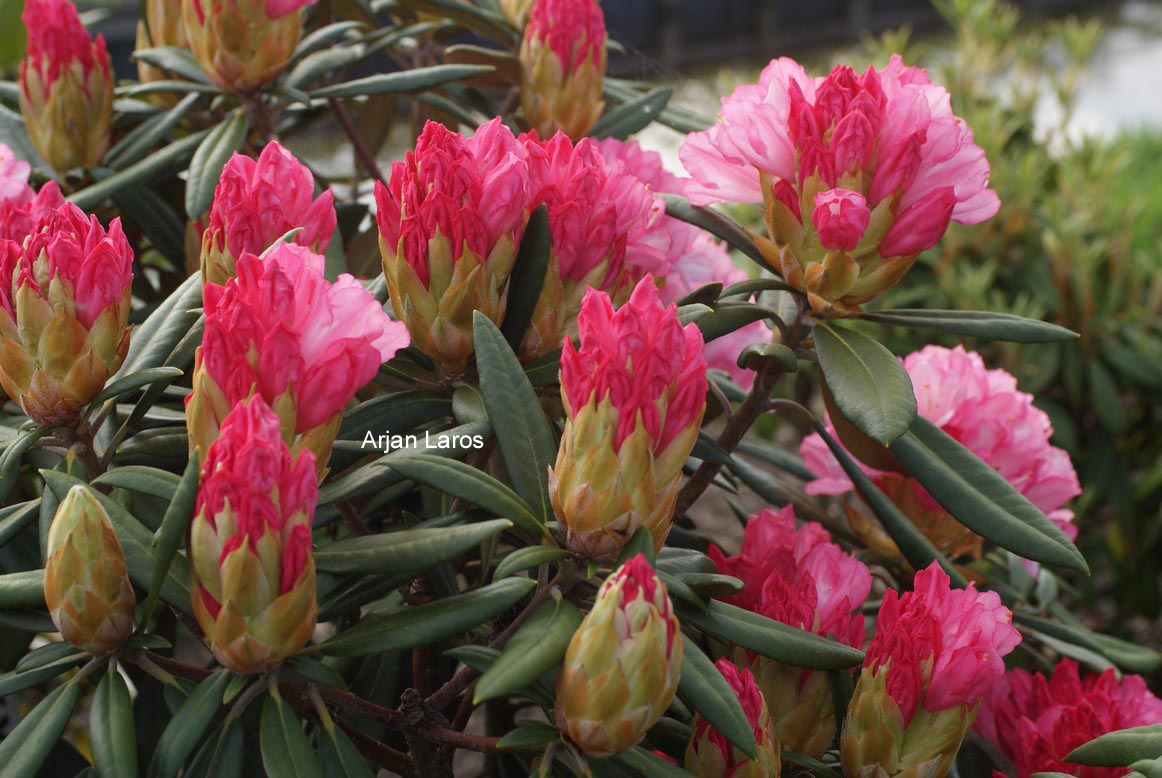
(66, 87)
(14, 188)
(281, 330)
(711, 755)
(563, 66)
(19, 215)
(886, 136)
(840, 216)
(634, 392)
(64, 306)
(253, 574)
(450, 222)
(1036, 721)
(258, 202)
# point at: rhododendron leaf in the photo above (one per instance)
(176, 59)
(1130, 657)
(679, 590)
(1121, 748)
(528, 277)
(12, 455)
(480, 658)
(703, 688)
(340, 757)
(134, 381)
(189, 723)
(419, 625)
(325, 36)
(683, 560)
(842, 689)
(146, 171)
(633, 115)
(693, 312)
(138, 142)
(408, 552)
(981, 499)
(752, 285)
(641, 762)
(141, 479)
(870, 386)
(22, 590)
(717, 224)
(771, 638)
(403, 81)
(45, 655)
(319, 63)
(20, 679)
(286, 751)
(529, 736)
(168, 539)
(641, 542)
(913, 544)
(472, 16)
(399, 412)
(28, 745)
(708, 449)
(813, 766)
(728, 317)
(209, 161)
(154, 339)
(468, 405)
(526, 558)
(160, 223)
(537, 647)
(711, 584)
(15, 518)
(111, 728)
(675, 117)
(756, 354)
(975, 324)
(707, 294)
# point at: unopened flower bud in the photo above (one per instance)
(563, 67)
(622, 665)
(86, 583)
(711, 755)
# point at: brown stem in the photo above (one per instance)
(259, 117)
(397, 720)
(366, 158)
(354, 521)
(380, 753)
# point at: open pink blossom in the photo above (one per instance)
(940, 647)
(14, 172)
(1036, 721)
(18, 217)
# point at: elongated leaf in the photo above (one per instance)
(409, 552)
(711, 584)
(715, 223)
(18, 680)
(15, 518)
(154, 339)
(403, 81)
(529, 736)
(141, 479)
(189, 723)
(1121, 748)
(285, 748)
(209, 160)
(704, 689)
(45, 655)
(153, 168)
(22, 590)
(176, 59)
(472, 16)
(645, 763)
(134, 381)
(981, 499)
(27, 746)
(425, 624)
(770, 638)
(977, 324)
(138, 141)
(340, 757)
(870, 386)
(12, 455)
(393, 414)
(537, 647)
(525, 436)
(169, 536)
(469, 484)
(526, 558)
(111, 729)
(913, 544)
(324, 61)
(730, 317)
(528, 276)
(634, 115)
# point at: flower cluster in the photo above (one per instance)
(563, 62)
(710, 754)
(859, 173)
(634, 395)
(1036, 721)
(799, 577)
(984, 411)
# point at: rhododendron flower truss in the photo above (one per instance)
(936, 653)
(711, 755)
(983, 410)
(602, 220)
(562, 60)
(799, 577)
(634, 396)
(858, 173)
(282, 331)
(258, 202)
(450, 221)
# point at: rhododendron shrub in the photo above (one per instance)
(420, 422)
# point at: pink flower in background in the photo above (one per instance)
(983, 410)
(1036, 721)
(573, 29)
(256, 203)
(14, 173)
(796, 143)
(711, 755)
(940, 647)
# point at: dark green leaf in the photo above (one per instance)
(704, 689)
(27, 746)
(528, 277)
(729, 317)
(641, 542)
(634, 115)
(138, 141)
(141, 479)
(15, 518)
(715, 223)
(1121, 748)
(111, 729)
(413, 80)
(408, 552)
(209, 160)
(154, 339)
(396, 413)
(189, 723)
(526, 558)
(134, 381)
(176, 59)
(977, 324)
(529, 736)
(981, 499)
(12, 455)
(153, 168)
(870, 386)
(16, 681)
(711, 584)
(286, 752)
(756, 355)
(340, 757)
(537, 647)
(22, 590)
(168, 539)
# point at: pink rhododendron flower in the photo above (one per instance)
(983, 410)
(1036, 721)
(711, 755)
(563, 60)
(253, 587)
(18, 217)
(281, 330)
(796, 143)
(14, 172)
(256, 203)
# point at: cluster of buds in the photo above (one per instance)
(623, 664)
(86, 582)
(1035, 722)
(450, 222)
(279, 329)
(243, 45)
(161, 25)
(936, 653)
(253, 572)
(66, 87)
(711, 755)
(258, 202)
(64, 306)
(858, 174)
(799, 577)
(634, 396)
(562, 60)
(983, 410)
